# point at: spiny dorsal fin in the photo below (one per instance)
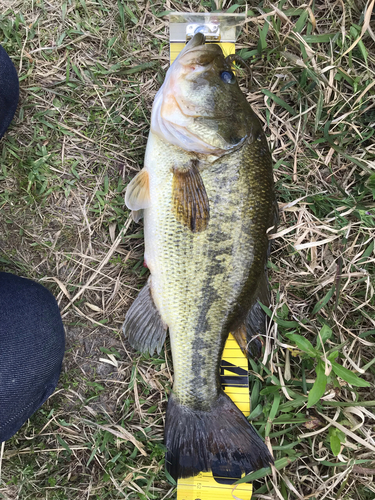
(189, 198)
(143, 325)
(137, 194)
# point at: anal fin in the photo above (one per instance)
(143, 325)
(189, 198)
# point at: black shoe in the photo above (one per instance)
(32, 344)
(9, 91)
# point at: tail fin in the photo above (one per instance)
(220, 440)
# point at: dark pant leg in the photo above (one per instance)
(32, 344)
(9, 91)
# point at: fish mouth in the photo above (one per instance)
(198, 52)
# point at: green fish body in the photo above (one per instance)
(207, 205)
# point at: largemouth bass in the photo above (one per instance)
(206, 194)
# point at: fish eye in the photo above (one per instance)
(227, 76)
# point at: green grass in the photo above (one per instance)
(89, 72)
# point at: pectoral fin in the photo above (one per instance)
(190, 200)
(143, 325)
(137, 196)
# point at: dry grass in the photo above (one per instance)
(89, 72)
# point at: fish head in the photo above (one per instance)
(200, 107)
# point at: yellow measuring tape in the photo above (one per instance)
(235, 382)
